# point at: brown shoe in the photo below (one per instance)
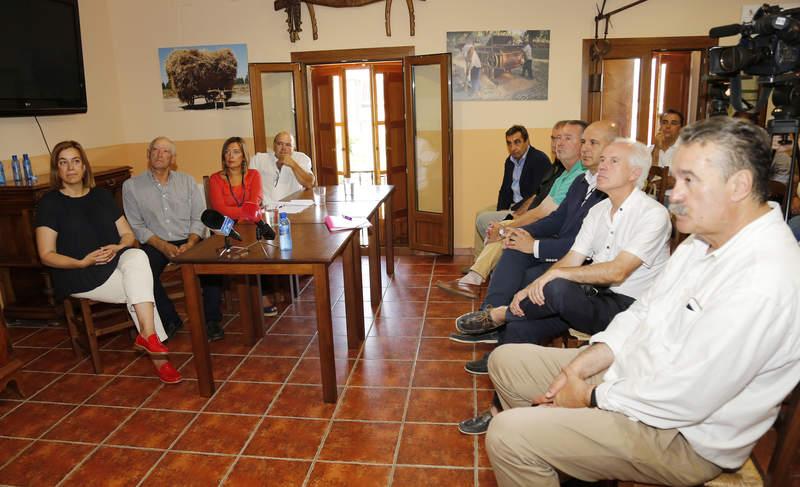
(469, 291)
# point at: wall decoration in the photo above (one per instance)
(500, 64)
(212, 77)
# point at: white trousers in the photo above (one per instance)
(130, 283)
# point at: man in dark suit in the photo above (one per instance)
(525, 167)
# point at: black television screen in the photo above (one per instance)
(41, 63)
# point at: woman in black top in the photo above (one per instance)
(84, 238)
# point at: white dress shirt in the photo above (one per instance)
(713, 347)
(640, 227)
(278, 184)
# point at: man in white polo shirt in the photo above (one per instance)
(284, 170)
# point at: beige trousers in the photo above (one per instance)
(486, 261)
(532, 446)
(482, 221)
(130, 283)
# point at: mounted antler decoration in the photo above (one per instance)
(292, 8)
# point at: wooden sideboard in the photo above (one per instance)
(24, 282)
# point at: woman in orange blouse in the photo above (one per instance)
(235, 184)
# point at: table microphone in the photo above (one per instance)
(251, 212)
(220, 223)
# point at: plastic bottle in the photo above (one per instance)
(16, 169)
(27, 169)
(285, 232)
(2, 174)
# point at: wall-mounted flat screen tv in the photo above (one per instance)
(41, 62)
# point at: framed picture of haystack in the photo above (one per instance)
(212, 77)
(500, 64)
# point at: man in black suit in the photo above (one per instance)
(524, 169)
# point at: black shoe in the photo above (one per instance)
(491, 337)
(477, 425)
(214, 331)
(478, 367)
(477, 322)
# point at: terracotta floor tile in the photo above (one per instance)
(28, 355)
(90, 424)
(441, 374)
(189, 469)
(452, 448)
(113, 466)
(125, 391)
(217, 433)
(486, 478)
(435, 348)
(242, 397)
(282, 345)
(287, 438)
(45, 337)
(151, 429)
(308, 371)
(442, 267)
(484, 382)
(416, 259)
(302, 401)
(184, 396)
(382, 373)
(397, 327)
(44, 463)
(438, 295)
(258, 472)
(112, 361)
(340, 348)
(400, 293)
(56, 360)
(438, 327)
(348, 475)
(18, 333)
(232, 344)
(121, 341)
(32, 419)
(402, 309)
(32, 382)
(397, 348)
(483, 457)
(433, 477)
(361, 442)
(301, 308)
(440, 406)
(181, 342)
(264, 369)
(293, 325)
(143, 366)
(8, 405)
(411, 280)
(10, 447)
(73, 388)
(221, 365)
(447, 310)
(372, 404)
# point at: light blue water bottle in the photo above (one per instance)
(16, 169)
(27, 170)
(285, 232)
(2, 174)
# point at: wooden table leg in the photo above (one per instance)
(327, 364)
(256, 308)
(197, 327)
(388, 221)
(245, 308)
(354, 302)
(375, 288)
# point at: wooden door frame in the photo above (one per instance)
(301, 109)
(642, 48)
(395, 53)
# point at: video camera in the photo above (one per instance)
(769, 49)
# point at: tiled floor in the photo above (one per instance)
(401, 396)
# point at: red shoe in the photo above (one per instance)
(151, 345)
(168, 374)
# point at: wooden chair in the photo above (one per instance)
(776, 456)
(93, 320)
(656, 184)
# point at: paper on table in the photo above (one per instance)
(301, 202)
(290, 209)
(341, 223)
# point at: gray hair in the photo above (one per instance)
(740, 145)
(639, 157)
(172, 149)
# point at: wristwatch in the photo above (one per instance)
(593, 398)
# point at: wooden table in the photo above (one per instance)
(363, 201)
(315, 249)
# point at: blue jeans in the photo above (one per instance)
(794, 224)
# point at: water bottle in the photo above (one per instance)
(285, 232)
(16, 169)
(27, 170)
(2, 174)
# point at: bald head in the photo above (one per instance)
(283, 144)
(595, 138)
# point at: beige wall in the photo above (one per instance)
(121, 38)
